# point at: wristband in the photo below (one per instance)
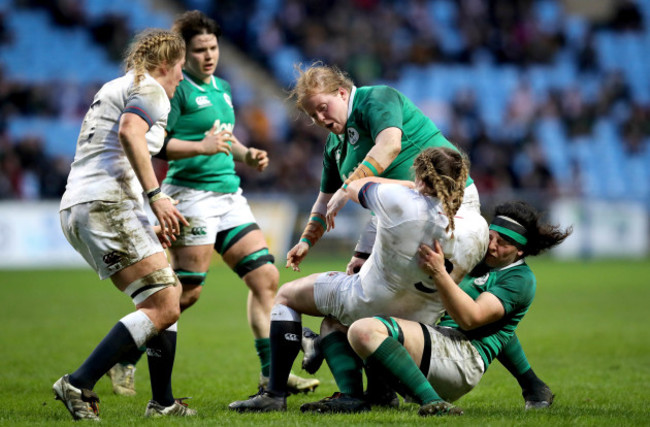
(306, 240)
(154, 192)
(159, 195)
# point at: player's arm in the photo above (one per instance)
(250, 156)
(352, 190)
(213, 143)
(132, 135)
(312, 233)
(388, 145)
(467, 313)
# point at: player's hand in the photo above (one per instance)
(169, 218)
(336, 203)
(164, 240)
(432, 259)
(296, 255)
(216, 142)
(257, 159)
(354, 265)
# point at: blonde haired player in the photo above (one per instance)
(103, 218)
(202, 152)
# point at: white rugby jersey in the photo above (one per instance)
(101, 170)
(391, 279)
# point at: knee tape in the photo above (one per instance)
(394, 330)
(253, 261)
(148, 285)
(190, 277)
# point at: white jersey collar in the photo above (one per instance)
(213, 81)
(514, 264)
(351, 100)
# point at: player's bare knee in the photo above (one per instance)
(362, 331)
(190, 296)
(263, 282)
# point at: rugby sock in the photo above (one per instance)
(286, 333)
(107, 353)
(263, 348)
(396, 362)
(344, 363)
(133, 356)
(161, 350)
(513, 358)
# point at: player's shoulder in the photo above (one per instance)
(222, 84)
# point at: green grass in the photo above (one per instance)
(586, 335)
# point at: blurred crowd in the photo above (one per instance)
(376, 42)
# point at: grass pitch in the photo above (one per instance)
(586, 335)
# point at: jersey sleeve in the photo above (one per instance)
(148, 101)
(330, 179)
(515, 291)
(383, 110)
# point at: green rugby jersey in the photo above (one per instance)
(515, 286)
(195, 108)
(375, 108)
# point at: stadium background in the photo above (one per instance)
(550, 98)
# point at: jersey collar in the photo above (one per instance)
(514, 264)
(351, 100)
(198, 84)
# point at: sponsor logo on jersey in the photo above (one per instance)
(353, 136)
(228, 100)
(203, 101)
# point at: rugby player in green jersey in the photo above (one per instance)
(377, 131)
(202, 151)
(438, 364)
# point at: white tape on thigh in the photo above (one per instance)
(140, 327)
(148, 285)
(282, 312)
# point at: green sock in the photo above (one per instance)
(263, 347)
(393, 359)
(344, 363)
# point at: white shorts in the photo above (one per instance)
(456, 366)
(208, 213)
(109, 235)
(343, 297)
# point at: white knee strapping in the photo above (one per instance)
(282, 312)
(140, 327)
(148, 285)
(173, 328)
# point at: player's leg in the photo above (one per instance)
(139, 268)
(376, 340)
(535, 392)
(346, 367)
(294, 298)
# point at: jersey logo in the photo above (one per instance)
(353, 136)
(481, 281)
(203, 101)
(226, 98)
